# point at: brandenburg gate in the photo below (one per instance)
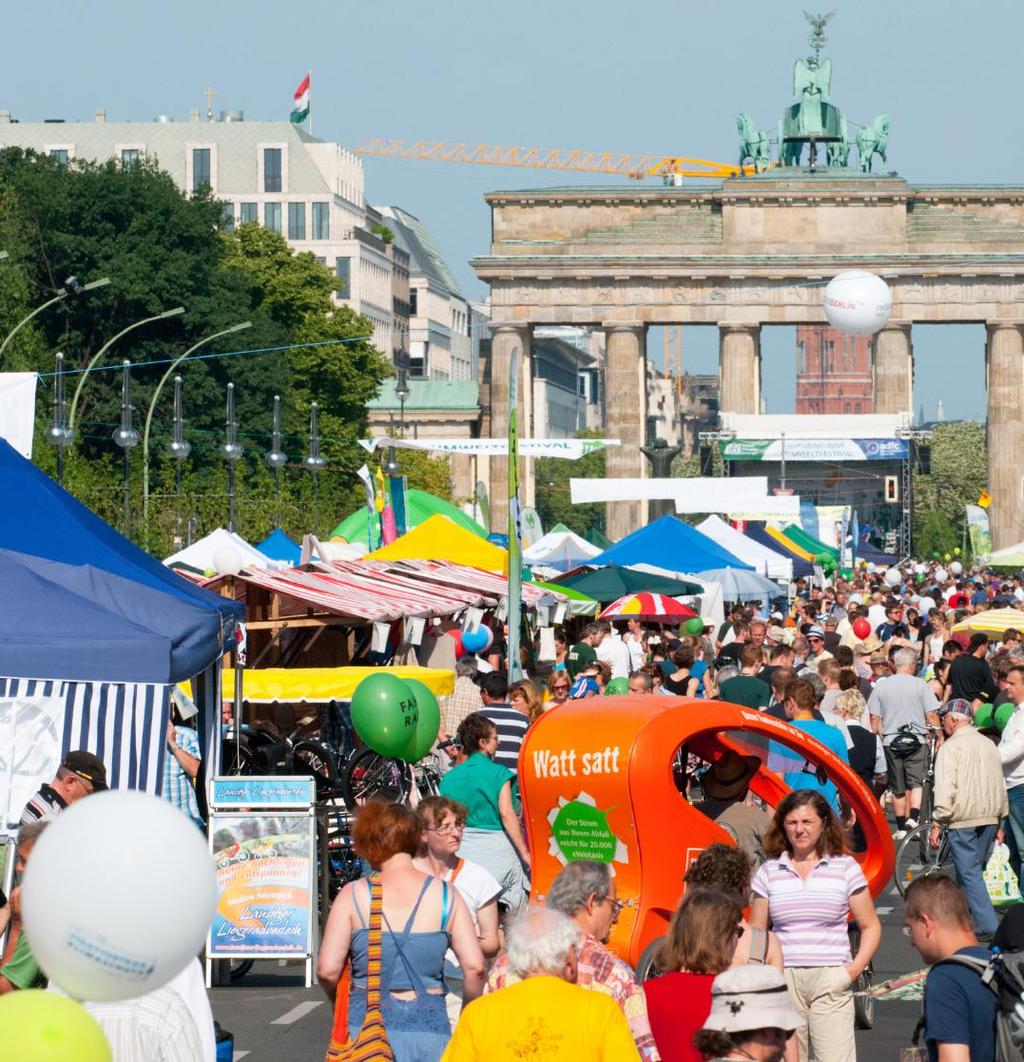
(752, 251)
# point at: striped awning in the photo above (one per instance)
(495, 585)
(994, 621)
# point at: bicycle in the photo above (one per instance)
(370, 776)
(915, 857)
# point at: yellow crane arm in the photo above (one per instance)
(635, 166)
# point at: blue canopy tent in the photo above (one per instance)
(801, 566)
(873, 555)
(671, 544)
(278, 546)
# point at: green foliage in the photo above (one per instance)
(424, 472)
(959, 472)
(554, 500)
(383, 233)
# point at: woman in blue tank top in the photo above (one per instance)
(422, 916)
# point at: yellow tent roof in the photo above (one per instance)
(439, 538)
(320, 684)
(792, 546)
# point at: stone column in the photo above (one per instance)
(739, 372)
(506, 336)
(894, 369)
(625, 392)
(1005, 371)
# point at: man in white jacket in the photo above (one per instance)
(1011, 754)
(970, 802)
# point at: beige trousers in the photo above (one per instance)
(822, 997)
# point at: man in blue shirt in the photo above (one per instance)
(959, 1011)
(800, 702)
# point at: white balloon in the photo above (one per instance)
(893, 576)
(857, 302)
(227, 560)
(941, 575)
(956, 568)
(118, 895)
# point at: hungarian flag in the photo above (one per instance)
(300, 104)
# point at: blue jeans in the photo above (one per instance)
(1015, 822)
(970, 847)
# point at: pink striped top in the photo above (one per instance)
(809, 915)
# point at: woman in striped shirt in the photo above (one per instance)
(807, 891)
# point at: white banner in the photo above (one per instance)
(784, 507)
(714, 493)
(31, 733)
(18, 410)
(571, 449)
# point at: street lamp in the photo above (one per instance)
(180, 449)
(402, 391)
(277, 459)
(126, 436)
(58, 432)
(152, 405)
(313, 461)
(176, 312)
(232, 451)
(72, 286)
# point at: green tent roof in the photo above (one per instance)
(419, 505)
(808, 542)
(596, 537)
(611, 583)
(579, 604)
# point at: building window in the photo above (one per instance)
(129, 157)
(412, 302)
(272, 216)
(296, 221)
(343, 271)
(200, 169)
(320, 258)
(227, 218)
(321, 221)
(59, 155)
(271, 169)
(248, 212)
(801, 357)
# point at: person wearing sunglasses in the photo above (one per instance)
(699, 945)
(558, 689)
(79, 774)
(585, 892)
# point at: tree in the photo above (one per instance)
(959, 472)
(554, 499)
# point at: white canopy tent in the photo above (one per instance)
(560, 550)
(200, 555)
(765, 561)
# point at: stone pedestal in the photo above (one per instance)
(1005, 372)
(894, 369)
(739, 354)
(506, 337)
(625, 398)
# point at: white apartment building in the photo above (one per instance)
(311, 191)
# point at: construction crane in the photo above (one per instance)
(636, 167)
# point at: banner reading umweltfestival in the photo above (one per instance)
(815, 449)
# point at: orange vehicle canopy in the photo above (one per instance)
(598, 779)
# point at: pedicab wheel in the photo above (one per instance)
(646, 968)
(239, 968)
(863, 1006)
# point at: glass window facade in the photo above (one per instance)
(227, 218)
(321, 221)
(296, 221)
(60, 156)
(271, 169)
(343, 271)
(272, 216)
(129, 156)
(248, 212)
(200, 169)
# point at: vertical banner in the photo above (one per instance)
(515, 531)
(371, 505)
(845, 561)
(854, 539)
(809, 517)
(978, 530)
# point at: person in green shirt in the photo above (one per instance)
(492, 836)
(746, 688)
(584, 652)
(18, 967)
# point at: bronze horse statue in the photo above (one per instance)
(754, 144)
(871, 141)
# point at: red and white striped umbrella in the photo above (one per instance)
(657, 608)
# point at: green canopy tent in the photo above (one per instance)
(821, 551)
(596, 537)
(579, 604)
(419, 506)
(614, 581)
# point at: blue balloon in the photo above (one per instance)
(474, 641)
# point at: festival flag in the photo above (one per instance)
(515, 527)
(300, 102)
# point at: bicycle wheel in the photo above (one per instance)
(370, 776)
(238, 968)
(646, 968)
(312, 758)
(915, 857)
(863, 1006)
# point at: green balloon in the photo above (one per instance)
(616, 687)
(385, 714)
(983, 717)
(1003, 713)
(44, 1027)
(936, 554)
(694, 626)
(429, 719)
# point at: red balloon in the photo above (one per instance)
(861, 628)
(456, 636)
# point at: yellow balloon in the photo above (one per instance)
(957, 551)
(44, 1027)
(947, 557)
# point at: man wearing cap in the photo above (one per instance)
(725, 786)
(751, 1015)
(816, 641)
(970, 802)
(79, 774)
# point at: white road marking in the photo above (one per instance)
(298, 1012)
(239, 1055)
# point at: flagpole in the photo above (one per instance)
(309, 117)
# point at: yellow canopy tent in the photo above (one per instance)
(317, 685)
(439, 538)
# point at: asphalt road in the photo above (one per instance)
(275, 1018)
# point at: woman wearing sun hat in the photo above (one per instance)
(751, 1016)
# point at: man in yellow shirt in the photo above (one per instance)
(545, 1015)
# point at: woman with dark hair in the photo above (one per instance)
(807, 890)
(492, 836)
(683, 682)
(700, 944)
(432, 915)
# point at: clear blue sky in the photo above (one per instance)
(649, 76)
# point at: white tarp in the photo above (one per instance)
(18, 410)
(200, 555)
(560, 550)
(571, 449)
(765, 561)
(797, 426)
(716, 494)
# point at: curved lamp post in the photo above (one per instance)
(152, 405)
(176, 312)
(72, 286)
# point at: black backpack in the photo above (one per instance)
(906, 742)
(1003, 973)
